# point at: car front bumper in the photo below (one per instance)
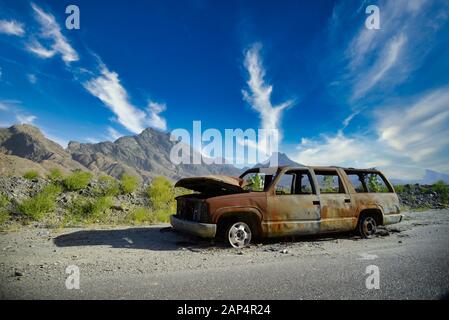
(203, 230)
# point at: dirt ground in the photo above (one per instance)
(32, 257)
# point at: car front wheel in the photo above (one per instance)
(238, 234)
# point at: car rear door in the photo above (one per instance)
(337, 210)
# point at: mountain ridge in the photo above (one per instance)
(147, 155)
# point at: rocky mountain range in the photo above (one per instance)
(24, 147)
(429, 177)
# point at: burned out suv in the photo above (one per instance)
(286, 201)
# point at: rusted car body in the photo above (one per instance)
(286, 201)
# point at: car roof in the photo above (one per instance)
(319, 168)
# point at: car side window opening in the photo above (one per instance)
(329, 182)
(257, 181)
(303, 183)
(375, 183)
(295, 182)
(371, 182)
(358, 182)
(285, 184)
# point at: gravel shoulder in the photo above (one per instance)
(33, 261)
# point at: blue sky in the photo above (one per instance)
(341, 94)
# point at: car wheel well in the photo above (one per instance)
(375, 213)
(250, 218)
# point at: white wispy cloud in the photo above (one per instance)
(32, 78)
(342, 150)
(59, 140)
(396, 17)
(9, 105)
(109, 90)
(155, 120)
(14, 110)
(38, 49)
(51, 31)
(349, 118)
(259, 93)
(415, 134)
(379, 60)
(25, 119)
(356, 151)
(402, 138)
(114, 134)
(419, 129)
(11, 27)
(92, 140)
(384, 63)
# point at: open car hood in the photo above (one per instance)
(215, 184)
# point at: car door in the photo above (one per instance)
(372, 190)
(293, 203)
(337, 209)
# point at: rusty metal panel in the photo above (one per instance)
(297, 214)
(254, 202)
(293, 207)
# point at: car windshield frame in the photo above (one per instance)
(265, 173)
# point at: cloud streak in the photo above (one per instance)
(414, 135)
(259, 94)
(38, 49)
(384, 63)
(155, 120)
(114, 134)
(104, 85)
(419, 129)
(25, 119)
(108, 88)
(12, 27)
(51, 31)
(411, 134)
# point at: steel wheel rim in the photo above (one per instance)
(239, 235)
(369, 226)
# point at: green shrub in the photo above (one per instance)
(77, 180)
(141, 215)
(4, 201)
(108, 186)
(89, 209)
(399, 188)
(161, 193)
(163, 215)
(4, 216)
(55, 175)
(129, 183)
(52, 190)
(99, 207)
(31, 174)
(76, 208)
(36, 207)
(442, 189)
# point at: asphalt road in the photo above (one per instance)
(412, 260)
